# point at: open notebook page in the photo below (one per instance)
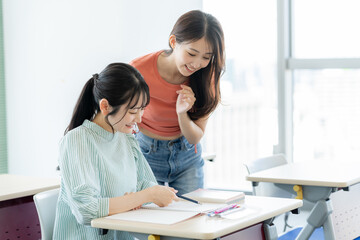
(187, 206)
(154, 216)
(173, 213)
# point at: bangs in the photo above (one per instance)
(135, 99)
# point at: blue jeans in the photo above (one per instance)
(174, 162)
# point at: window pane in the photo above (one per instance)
(244, 126)
(326, 28)
(327, 115)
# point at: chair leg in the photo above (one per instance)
(270, 230)
(286, 218)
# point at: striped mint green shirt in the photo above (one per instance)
(95, 166)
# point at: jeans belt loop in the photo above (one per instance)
(183, 146)
(154, 145)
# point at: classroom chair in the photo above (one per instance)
(263, 188)
(270, 190)
(45, 203)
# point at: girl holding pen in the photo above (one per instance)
(103, 171)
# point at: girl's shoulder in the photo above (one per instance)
(146, 59)
(131, 139)
(134, 144)
(76, 134)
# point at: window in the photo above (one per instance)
(326, 28)
(326, 84)
(244, 126)
(326, 114)
(292, 81)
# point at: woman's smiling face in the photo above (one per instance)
(190, 57)
(125, 119)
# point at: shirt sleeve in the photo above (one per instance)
(145, 176)
(80, 178)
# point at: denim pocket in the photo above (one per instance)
(191, 147)
(188, 146)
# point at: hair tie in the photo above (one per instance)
(95, 76)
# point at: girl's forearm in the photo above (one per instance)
(130, 201)
(191, 131)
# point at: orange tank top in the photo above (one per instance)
(160, 115)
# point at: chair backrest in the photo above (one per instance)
(45, 203)
(267, 189)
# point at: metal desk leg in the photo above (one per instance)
(270, 230)
(319, 216)
(328, 229)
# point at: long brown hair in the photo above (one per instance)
(205, 82)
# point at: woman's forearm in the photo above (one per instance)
(191, 130)
(130, 201)
(160, 195)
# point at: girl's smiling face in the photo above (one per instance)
(190, 57)
(125, 120)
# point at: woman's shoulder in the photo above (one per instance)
(130, 138)
(133, 143)
(78, 134)
(146, 59)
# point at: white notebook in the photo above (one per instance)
(173, 213)
(216, 196)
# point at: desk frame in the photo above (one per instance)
(320, 213)
(318, 180)
(18, 215)
(19, 219)
(255, 232)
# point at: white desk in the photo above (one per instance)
(18, 216)
(16, 186)
(318, 180)
(204, 227)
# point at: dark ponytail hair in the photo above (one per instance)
(205, 83)
(119, 84)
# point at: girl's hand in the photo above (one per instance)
(136, 208)
(185, 100)
(163, 195)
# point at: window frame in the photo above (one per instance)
(287, 64)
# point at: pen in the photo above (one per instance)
(225, 208)
(230, 211)
(218, 212)
(189, 199)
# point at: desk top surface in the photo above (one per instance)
(204, 227)
(16, 186)
(327, 174)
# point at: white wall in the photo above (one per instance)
(53, 47)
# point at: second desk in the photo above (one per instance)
(313, 181)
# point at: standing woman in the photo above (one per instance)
(103, 171)
(184, 91)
